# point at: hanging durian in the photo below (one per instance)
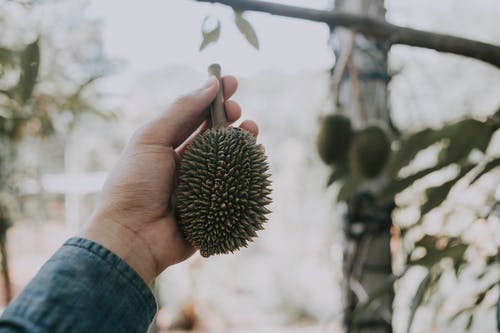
(334, 138)
(224, 185)
(370, 151)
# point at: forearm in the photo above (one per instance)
(82, 288)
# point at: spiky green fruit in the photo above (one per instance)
(223, 192)
(370, 151)
(334, 138)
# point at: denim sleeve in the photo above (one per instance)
(82, 288)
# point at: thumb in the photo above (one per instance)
(181, 118)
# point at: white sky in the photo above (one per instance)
(152, 34)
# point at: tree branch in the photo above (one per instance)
(378, 29)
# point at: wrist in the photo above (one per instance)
(125, 243)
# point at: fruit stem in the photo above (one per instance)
(217, 111)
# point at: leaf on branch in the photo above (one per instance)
(460, 312)
(463, 137)
(386, 288)
(498, 316)
(209, 35)
(469, 321)
(30, 62)
(7, 57)
(410, 146)
(339, 171)
(437, 194)
(427, 242)
(87, 83)
(490, 165)
(455, 250)
(246, 29)
(480, 297)
(8, 93)
(433, 243)
(348, 188)
(458, 263)
(418, 298)
(398, 185)
(46, 122)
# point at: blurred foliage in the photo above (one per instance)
(48, 68)
(246, 29)
(211, 33)
(460, 148)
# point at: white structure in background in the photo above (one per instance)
(72, 183)
(73, 186)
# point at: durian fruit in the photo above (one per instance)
(370, 151)
(334, 138)
(224, 186)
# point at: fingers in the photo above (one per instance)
(233, 111)
(250, 126)
(229, 84)
(175, 124)
(187, 113)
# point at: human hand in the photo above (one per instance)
(134, 217)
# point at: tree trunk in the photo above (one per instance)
(7, 155)
(359, 85)
(7, 285)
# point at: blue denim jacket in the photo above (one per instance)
(83, 288)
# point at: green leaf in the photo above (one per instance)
(246, 29)
(461, 312)
(454, 250)
(5, 218)
(469, 321)
(410, 146)
(46, 125)
(480, 297)
(464, 136)
(398, 185)
(437, 194)
(361, 308)
(490, 165)
(417, 298)
(498, 315)
(348, 188)
(339, 171)
(30, 62)
(7, 56)
(458, 263)
(427, 242)
(209, 36)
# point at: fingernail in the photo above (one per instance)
(209, 83)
